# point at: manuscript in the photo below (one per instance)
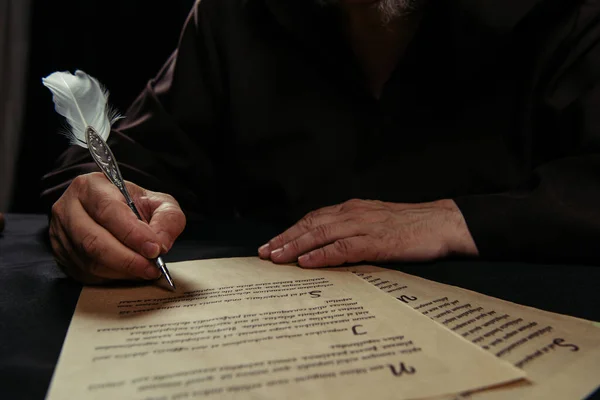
(560, 354)
(246, 328)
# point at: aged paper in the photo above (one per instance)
(246, 328)
(560, 354)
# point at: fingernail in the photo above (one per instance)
(152, 273)
(304, 258)
(165, 241)
(277, 253)
(150, 250)
(264, 249)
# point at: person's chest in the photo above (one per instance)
(306, 134)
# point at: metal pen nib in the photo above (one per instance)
(105, 159)
(163, 268)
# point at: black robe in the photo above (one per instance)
(262, 113)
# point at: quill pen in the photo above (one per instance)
(83, 101)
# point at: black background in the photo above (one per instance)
(123, 43)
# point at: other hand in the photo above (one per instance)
(365, 230)
(96, 237)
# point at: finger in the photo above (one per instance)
(318, 237)
(102, 250)
(59, 242)
(70, 261)
(306, 224)
(57, 238)
(350, 250)
(167, 219)
(64, 260)
(106, 205)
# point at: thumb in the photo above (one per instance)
(167, 219)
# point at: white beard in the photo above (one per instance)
(391, 9)
(388, 9)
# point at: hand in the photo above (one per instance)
(364, 230)
(96, 237)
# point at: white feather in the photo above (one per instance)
(83, 101)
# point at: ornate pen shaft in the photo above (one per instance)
(105, 159)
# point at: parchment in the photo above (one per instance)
(560, 354)
(246, 328)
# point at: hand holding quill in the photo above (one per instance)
(84, 103)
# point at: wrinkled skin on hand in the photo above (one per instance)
(373, 231)
(96, 238)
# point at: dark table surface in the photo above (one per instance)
(37, 300)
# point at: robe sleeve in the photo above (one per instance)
(173, 137)
(554, 215)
